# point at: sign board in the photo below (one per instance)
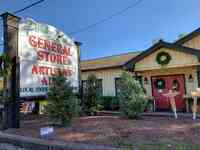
(46, 130)
(44, 51)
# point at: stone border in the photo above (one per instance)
(40, 144)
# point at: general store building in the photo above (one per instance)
(160, 68)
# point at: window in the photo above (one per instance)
(117, 84)
(160, 83)
(98, 86)
(175, 85)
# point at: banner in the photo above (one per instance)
(44, 51)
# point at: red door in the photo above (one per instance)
(162, 84)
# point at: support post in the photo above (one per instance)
(11, 112)
(194, 108)
(80, 94)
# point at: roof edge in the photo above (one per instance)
(111, 56)
(188, 37)
(108, 67)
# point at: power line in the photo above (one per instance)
(26, 7)
(23, 9)
(29, 6)
(106, 18)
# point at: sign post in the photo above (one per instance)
(11, 114)
(171, 95)
(38, 52)
(195, 95)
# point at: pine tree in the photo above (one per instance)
(132, 97)
(90, 96)
(62, 105)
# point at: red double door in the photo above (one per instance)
(162, 84)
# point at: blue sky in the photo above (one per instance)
(134, 30)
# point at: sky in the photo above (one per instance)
(134, 30)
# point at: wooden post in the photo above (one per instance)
(78, 44)
(173, 105)
(11, 107)
(195, 95)
(171, 95)
(194, 109)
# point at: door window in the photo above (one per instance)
(175, 85)
(160, 83)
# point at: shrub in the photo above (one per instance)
(90, 106)
(109, 102)
(150, 105)
(132, 97)
(62, 105)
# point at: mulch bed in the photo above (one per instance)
(116, 131)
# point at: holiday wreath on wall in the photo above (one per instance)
(163, 58)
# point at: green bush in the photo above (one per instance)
(132, 97)
(62, 104)
(90, 97)
(109, 102)
(150, 105)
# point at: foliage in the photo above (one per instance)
(5, 65)
(132, 97)
(5, 71)
(181, 35)
(109, 102)
(90, 97)
(62, 105)
(150, 105)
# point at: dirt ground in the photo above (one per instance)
(116, 131)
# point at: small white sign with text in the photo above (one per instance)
(46, 131)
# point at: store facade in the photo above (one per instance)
(163, 67)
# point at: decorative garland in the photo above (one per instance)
(163, 58)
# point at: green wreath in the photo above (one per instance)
(163, 58)
(159, 83)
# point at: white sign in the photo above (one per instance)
(44, 51)
(46, 131)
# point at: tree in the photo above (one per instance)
(90, 96)
(132, 96)
(5, 72)
(62, 105)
